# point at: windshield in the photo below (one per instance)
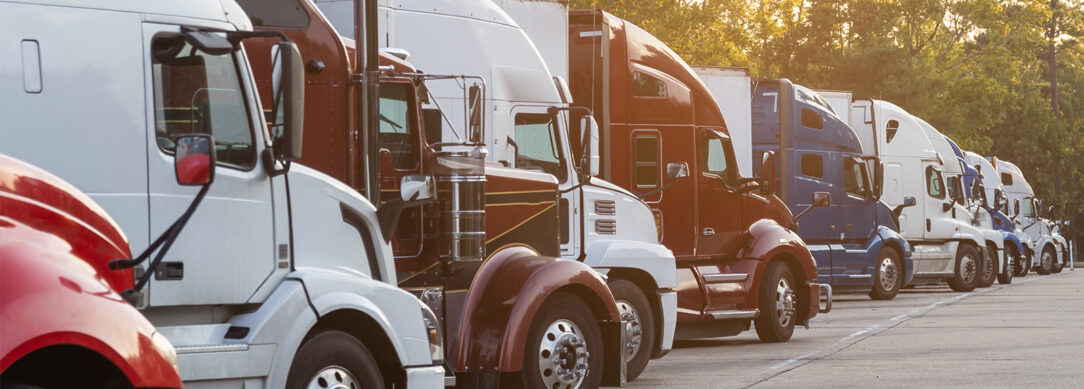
(537, 139)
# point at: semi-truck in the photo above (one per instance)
(59, 304)
(273, 276)
(856, 239)
(913, 185)
(985, 180)
(1026, 213)
(491, 228)
(663, 137)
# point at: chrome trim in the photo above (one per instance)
(606, 227)
(605, 207)
(723, 315)
(827, 290)
(725, 277)
(210, 348)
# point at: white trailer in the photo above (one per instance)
(732, 89)
(281, 277)
(527, 126)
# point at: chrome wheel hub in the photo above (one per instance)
(988, 267)
(333, 377)
(889, 275)
(1048, 259)
(634, 332)
(785, 302)
(563, 355)
(968, 268)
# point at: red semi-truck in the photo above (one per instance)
(738, 258)
(483, 256)
(59, 307)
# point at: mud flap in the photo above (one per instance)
(613, 341)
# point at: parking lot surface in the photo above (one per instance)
(1027, 334)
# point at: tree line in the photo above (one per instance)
(981, 71)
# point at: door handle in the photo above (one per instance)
(848, 227)
(832, 228)
(709, 231)
(928, 225)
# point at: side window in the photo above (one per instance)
(715, 159)
(536, 138)
(952, 185)
(200, 93)
(813, 165)
(934, 186)
(1006, 179)
(891, 129)
(275, 13)
(1027, 207)
(854, 178)
(645, 160)
(811, 119)
(644, 85)
(398, 131)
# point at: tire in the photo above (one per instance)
(989, 268)
(778, 302)
(550, 331)
(1058, 266)
(332, 358)
(1046, 261)
(966, 275)
(887, 275)
(636, 309)
(1005, 276)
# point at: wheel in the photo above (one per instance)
(887, 275)
(1046, 261)
(334, 359)
(564, 346)
(1005, 276)
(778, 304)
(635, 309)
(966, 276)
(988, 270)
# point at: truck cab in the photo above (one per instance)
(279, 275)
(663, 137)
(855, 239)
(943, 246)
(1026, 213)
(59, 301)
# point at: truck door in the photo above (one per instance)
(227, 248)
(938, 223)
(720, 219)
(400, 152)
(859, 223)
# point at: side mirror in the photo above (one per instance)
(676, 170)
(194, 160)
(821, 199)
(589, 128)
(288, 100)
(474, 112)
(909, 201)
(416, 187)
(767, 172)
(1015, 207)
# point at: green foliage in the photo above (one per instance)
(975, 69)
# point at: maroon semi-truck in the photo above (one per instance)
(664, 137)
(483, 255)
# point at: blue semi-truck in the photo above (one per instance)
(855, 240)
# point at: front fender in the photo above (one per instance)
(654, 259)
(888, 235)
(766, 239)
(506, 294)
(1012, 241)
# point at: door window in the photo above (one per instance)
(855, 180)
(398, 132)
(536, 138)
(200, 93)
(645, 161)
(644, 85)
(716, 157)
(1027, 208)
(935, 187)
(812, 165)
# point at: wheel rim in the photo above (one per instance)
(333, 377)
(889, 275)
(563, 355)
(967, 268)
(1047, 259)
(988, 268)
(784, 302)
(634, 331)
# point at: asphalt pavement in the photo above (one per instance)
(1026, 334)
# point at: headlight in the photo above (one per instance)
(432, 332)
(164, 348)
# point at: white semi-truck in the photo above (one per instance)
(1047, 248)
(274, 281)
